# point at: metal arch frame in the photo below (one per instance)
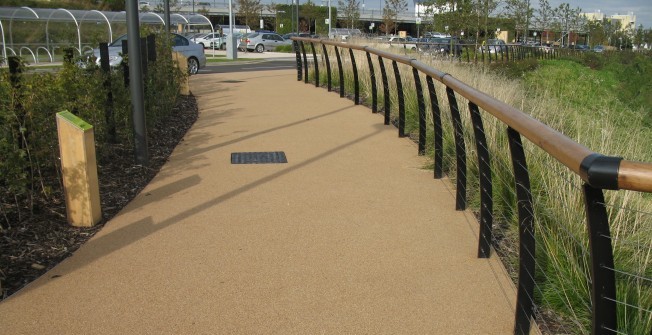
(78, 19)
(4, 43)
(143, 14)
(46, 50)
(105, 19)
(11, 21)
(20, 53)
(189, 23)
(47, 27)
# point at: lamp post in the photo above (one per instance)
(297, 17)
(276, 19)
(329, 19)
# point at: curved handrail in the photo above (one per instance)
(595, 169)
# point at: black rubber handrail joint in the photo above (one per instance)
(601, 171)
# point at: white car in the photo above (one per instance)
(208, 40)
(193, 51)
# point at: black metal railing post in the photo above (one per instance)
(383, 74)
(125, 64)
(422, 112)
(401, 100)
(527, 261)
(328, 68)
(314, 58)
(299, 63)
(67, 55)
(143, 58)
(460, 150)
(151, 48)
(340, 70)
(305, 61)
(109, 116)
(486, 188)
(356, 82)
(603, 280)
(374, 89)
(438, 135)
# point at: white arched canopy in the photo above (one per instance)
(77, 18)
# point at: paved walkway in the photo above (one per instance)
(351, 236)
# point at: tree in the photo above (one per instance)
(350, 11)
(203, 11)
(114, 5)
(568, 20)
(466, 16)
(544, 17)
(310, 11)
(250, 10)
(175, 6)
(520, 12)
(390, 13)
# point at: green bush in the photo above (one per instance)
(28, 150)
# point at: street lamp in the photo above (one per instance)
(329, 19)
(276, 19)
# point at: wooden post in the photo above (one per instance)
(79, 170)
(182, 63)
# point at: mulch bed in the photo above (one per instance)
(33, 245)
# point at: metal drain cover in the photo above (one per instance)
(258, 157)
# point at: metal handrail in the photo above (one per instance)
(598, 171)
(628, 175)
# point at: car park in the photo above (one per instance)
(194, 52)
(208, 40)
(443, 46)
(494, 46)
(221, 42)
(260, 42)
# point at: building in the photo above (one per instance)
(627, 21)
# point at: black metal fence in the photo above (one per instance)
(597, 172)
(487, 53)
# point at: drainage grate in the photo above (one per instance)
(258, 157)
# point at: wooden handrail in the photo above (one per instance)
(628, 175)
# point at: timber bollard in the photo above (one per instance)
(79, 170)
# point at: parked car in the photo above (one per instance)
(207, 40)
(599, 48)
(221, 42)
(494, 46)
(580, 47)
(436, 35)
(442, 46)
(402, 42)
(289, 35)
(193, 51)
(262, 41)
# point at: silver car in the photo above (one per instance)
(263, 41)
(193, 51)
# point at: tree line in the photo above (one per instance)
(469, 19)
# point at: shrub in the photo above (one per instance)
(28, 136)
